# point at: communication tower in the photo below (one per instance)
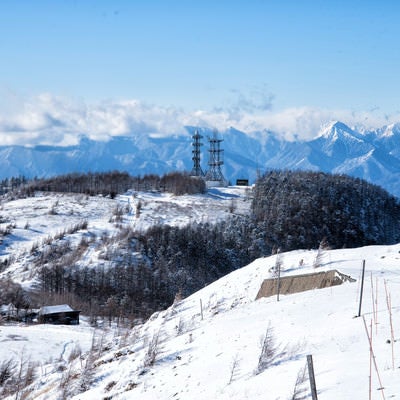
(196, 170)
(214, 176)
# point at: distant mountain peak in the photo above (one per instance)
(335, 130)
(390, 131)
(335, 133)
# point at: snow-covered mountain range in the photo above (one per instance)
(371, 155)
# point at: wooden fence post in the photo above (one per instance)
(279, 282)
(311, 376)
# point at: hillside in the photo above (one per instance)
(31, 223)
(211, 352)
(300, 209)
(128, 256)
(180, 354)
(336, 148)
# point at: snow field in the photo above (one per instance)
(215, 357)
(197, 362)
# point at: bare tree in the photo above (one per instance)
(270, 351)
(299, 389)
(234, 368)
(7, 368)
(153, 350)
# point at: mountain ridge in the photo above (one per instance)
(337, 148)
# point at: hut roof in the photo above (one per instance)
(6, 308)
(63, 308)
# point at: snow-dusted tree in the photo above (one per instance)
(88, 366)
(269, 351)
(277, 268)
(323, 247)
(299, 389)
(153, 350)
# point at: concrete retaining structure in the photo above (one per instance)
(302, 283)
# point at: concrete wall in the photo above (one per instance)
(301, 283)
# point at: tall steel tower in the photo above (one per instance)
(196, 170)
(215, 160)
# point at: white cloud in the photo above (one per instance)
(48, 119)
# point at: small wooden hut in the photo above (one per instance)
(58, 315)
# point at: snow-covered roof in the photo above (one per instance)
(5, 308)
(55, 309)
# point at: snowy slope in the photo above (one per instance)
(213, 354)
(215, 357)
(197, 363)
(48, 214)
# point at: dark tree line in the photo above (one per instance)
(299, 209)
(188, 258)
(10, 184)
(107, 184)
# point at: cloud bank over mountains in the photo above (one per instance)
(46, 119)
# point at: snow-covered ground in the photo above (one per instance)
(215, 357)
(37, 218)
(44, 343)
(209, 343)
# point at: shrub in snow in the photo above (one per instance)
(153, 350)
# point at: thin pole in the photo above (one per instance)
(373, 299)
(389, 307)
(370, 367)
(201, 309)
(376, 307)
(362, 288)
(391, 329)
(381, 388)
(311, 376)
(279, 281)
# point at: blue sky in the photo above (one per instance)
(234, 60)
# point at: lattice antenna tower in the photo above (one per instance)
(215, 159)
(196, 170)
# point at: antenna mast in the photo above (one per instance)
(196, 170)
(214, 176)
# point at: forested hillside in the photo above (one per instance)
(104, 183)
(302, 209)
(139, 271)
(147, 270)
